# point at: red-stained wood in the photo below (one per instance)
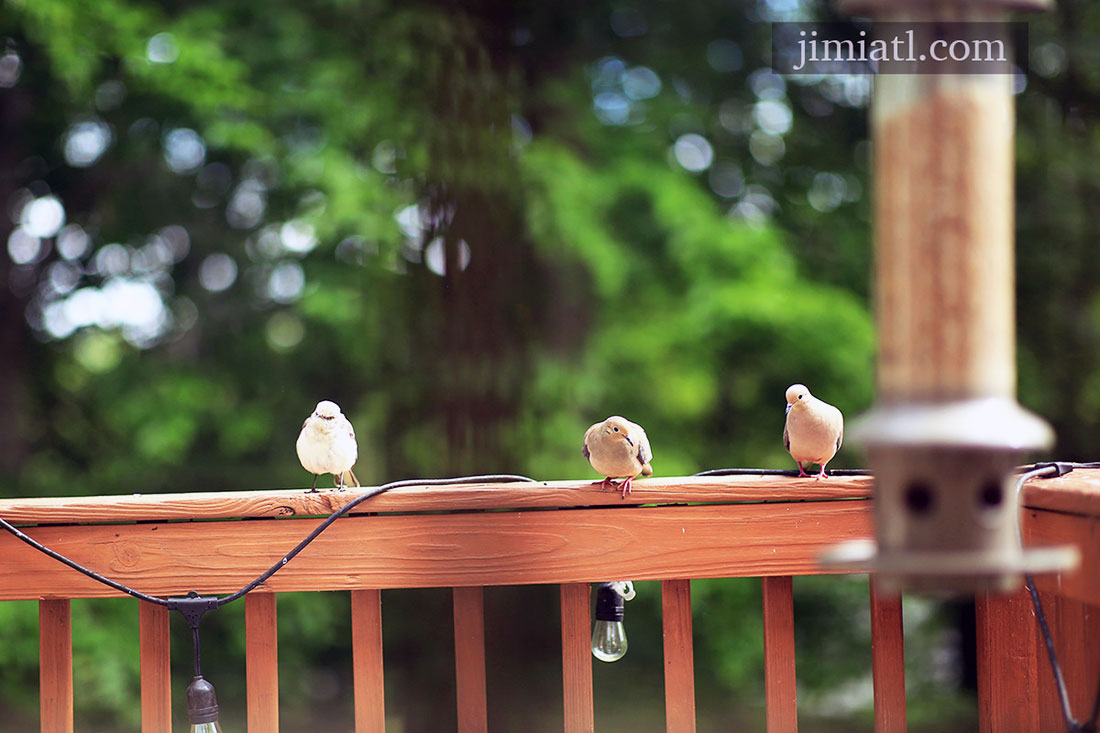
(781, 697)
(1008, 663)
(1077, 492)
(156, 677)
(55, 666)
(407, 551)
(261, 662)
(1075, 629)
(576, 658)
(366, 649)
(535, 495)
(1055, 528)
(679, 659)
(888, 662)
(469, 620)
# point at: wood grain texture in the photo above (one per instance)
(1075, 628)
(469, 620)
(576, 659)
(156, 677)
(412, 551)
(55, 666)
(1041, 527)
(1078, 492)
(679, 657)
(781, 696)
(366, 650)
(1008, 670)
(261, 661)
(888, 662)
(549, 494)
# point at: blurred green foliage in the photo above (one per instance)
(479, 229)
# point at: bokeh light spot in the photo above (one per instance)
(298, 236)
(23, 247)
(184, 150)
(43, 217)
(286, 282)
(85, 142)
(436, 260)
(693, 152)
(162, 49)
(284, 331)
(217, 272)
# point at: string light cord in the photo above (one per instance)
(1053, 470)
(194, 603)
(779, 472)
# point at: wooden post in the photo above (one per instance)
(156, 677)
(55, 665)
(469, 621)
(679, 657)
(780, 689)
(366, 651)
(261, 661)
(887, 662)
(576, 658)
(1008, 648)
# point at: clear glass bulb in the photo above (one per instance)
(206, 728)
(608, 640)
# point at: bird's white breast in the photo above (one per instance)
(813, 433)
(327, 451)
(616, 459)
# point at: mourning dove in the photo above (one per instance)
(327, 445)
(814, 429)
(618, 448)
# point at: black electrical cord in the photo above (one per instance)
(194, 606)
(495, 478)
(1051, 470)
(779, 472)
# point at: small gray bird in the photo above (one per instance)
(814, 429)
(618, 448)
(327, 445)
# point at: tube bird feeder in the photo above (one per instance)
(946, 431)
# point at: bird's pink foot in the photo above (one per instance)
(801, 471)
(626, 485)
(606, 483)
(821, 473)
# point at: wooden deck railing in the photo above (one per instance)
(565, 533)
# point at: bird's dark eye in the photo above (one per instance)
(615, 429)
(801, 396)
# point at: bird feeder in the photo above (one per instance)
(946, 431)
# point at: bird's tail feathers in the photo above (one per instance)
(349, 478)
(647, 470)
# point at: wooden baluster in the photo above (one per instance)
(679, 664)
(261, 662)
(1008, 649)
(55, 665)
(156, 678)
(469, 619)
(366, 650)
(576, 658)
(888, 662)
(780, 692)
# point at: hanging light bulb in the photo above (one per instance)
(608, 633)
(202, 704)
(202, 707)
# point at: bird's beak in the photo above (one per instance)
(788, 410)
(628, 440)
